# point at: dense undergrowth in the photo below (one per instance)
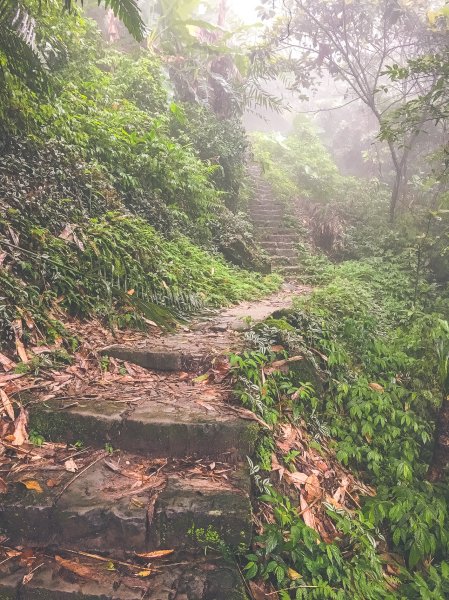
(368, 389)
(115, 201)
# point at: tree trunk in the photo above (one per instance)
(440, 458)
(395, 193)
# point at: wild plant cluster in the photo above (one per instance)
(368, 389)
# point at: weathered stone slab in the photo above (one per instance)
(195, 579)
(104, 510)
(158, 359)
(88, 514)
(186, 505)
(177, 427)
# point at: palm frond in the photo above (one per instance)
(127, 11)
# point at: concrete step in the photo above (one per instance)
(281, 237)
(283, 260)
(186, 578)
(287, 252)
(135, 509)
(290, 243)
(163, 420)
(160, 359)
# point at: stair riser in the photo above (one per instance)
(213, 580)
(89, 518)
(146, 434)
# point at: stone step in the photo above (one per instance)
(259, 213)
(283, 260)
(281, 237)
(276, 248)
(162, 420)
(159, 359)
(285, 251)
(135, 509)
(190, 578)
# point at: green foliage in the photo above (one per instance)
(217, 141)
(375, 361)
(119, 268)
(97, 181)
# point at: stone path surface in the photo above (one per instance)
(166, 455)
(277, 236)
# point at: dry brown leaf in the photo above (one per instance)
(340, 493)
(20, 348)
(257, 592)
(376, 387)
(297, 479)
(3, 486)
(32, 484)
(6, 363)
(275, 466)
(27, 578)
(307, 514)
(7, 404)
(4, 379)
(20, 428)
(71, 466)
(80, 570)
(312, 487)
(288, 438)
(277, 348)
(51, 483)
(155, 554)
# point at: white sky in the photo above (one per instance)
(245, 9)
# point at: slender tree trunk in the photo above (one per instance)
(395, 194)
(440, 458)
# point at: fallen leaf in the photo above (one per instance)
(313, 488)
(201, 378)
(376, 387)
(18, 332)
(7, 404)
(7, 363)
(307, 514)
(32, 484)
(51, 483)
(294, 575)
(277, 348)
(20, 428)
(74, 567)
(71, 466)
(3, 486)
(145, 573)
(275, 466)
(257, 591)
(27, 578)
(155, 554)
(297, 479)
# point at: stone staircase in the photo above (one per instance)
(188, 444)
(278, 238)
